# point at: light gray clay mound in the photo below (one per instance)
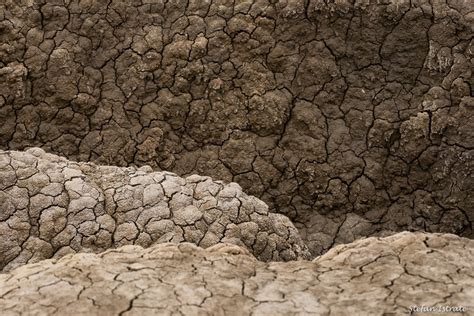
(373, 276)
(50, 207)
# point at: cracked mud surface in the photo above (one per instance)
(372, 276)
(351, 119)
(190, 157)
(51, 207)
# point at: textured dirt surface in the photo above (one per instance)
(351, 119)
(51, 207)
(384, 276)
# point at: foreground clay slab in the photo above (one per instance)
(372, 276)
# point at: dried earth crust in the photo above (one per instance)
(352, 118)
(373, 276)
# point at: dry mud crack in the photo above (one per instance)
(310, 123)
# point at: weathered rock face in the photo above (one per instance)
(50, 207)
(352, 119)
(368, 277)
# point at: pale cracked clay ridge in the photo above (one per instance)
(50, 207)
(373, 276)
